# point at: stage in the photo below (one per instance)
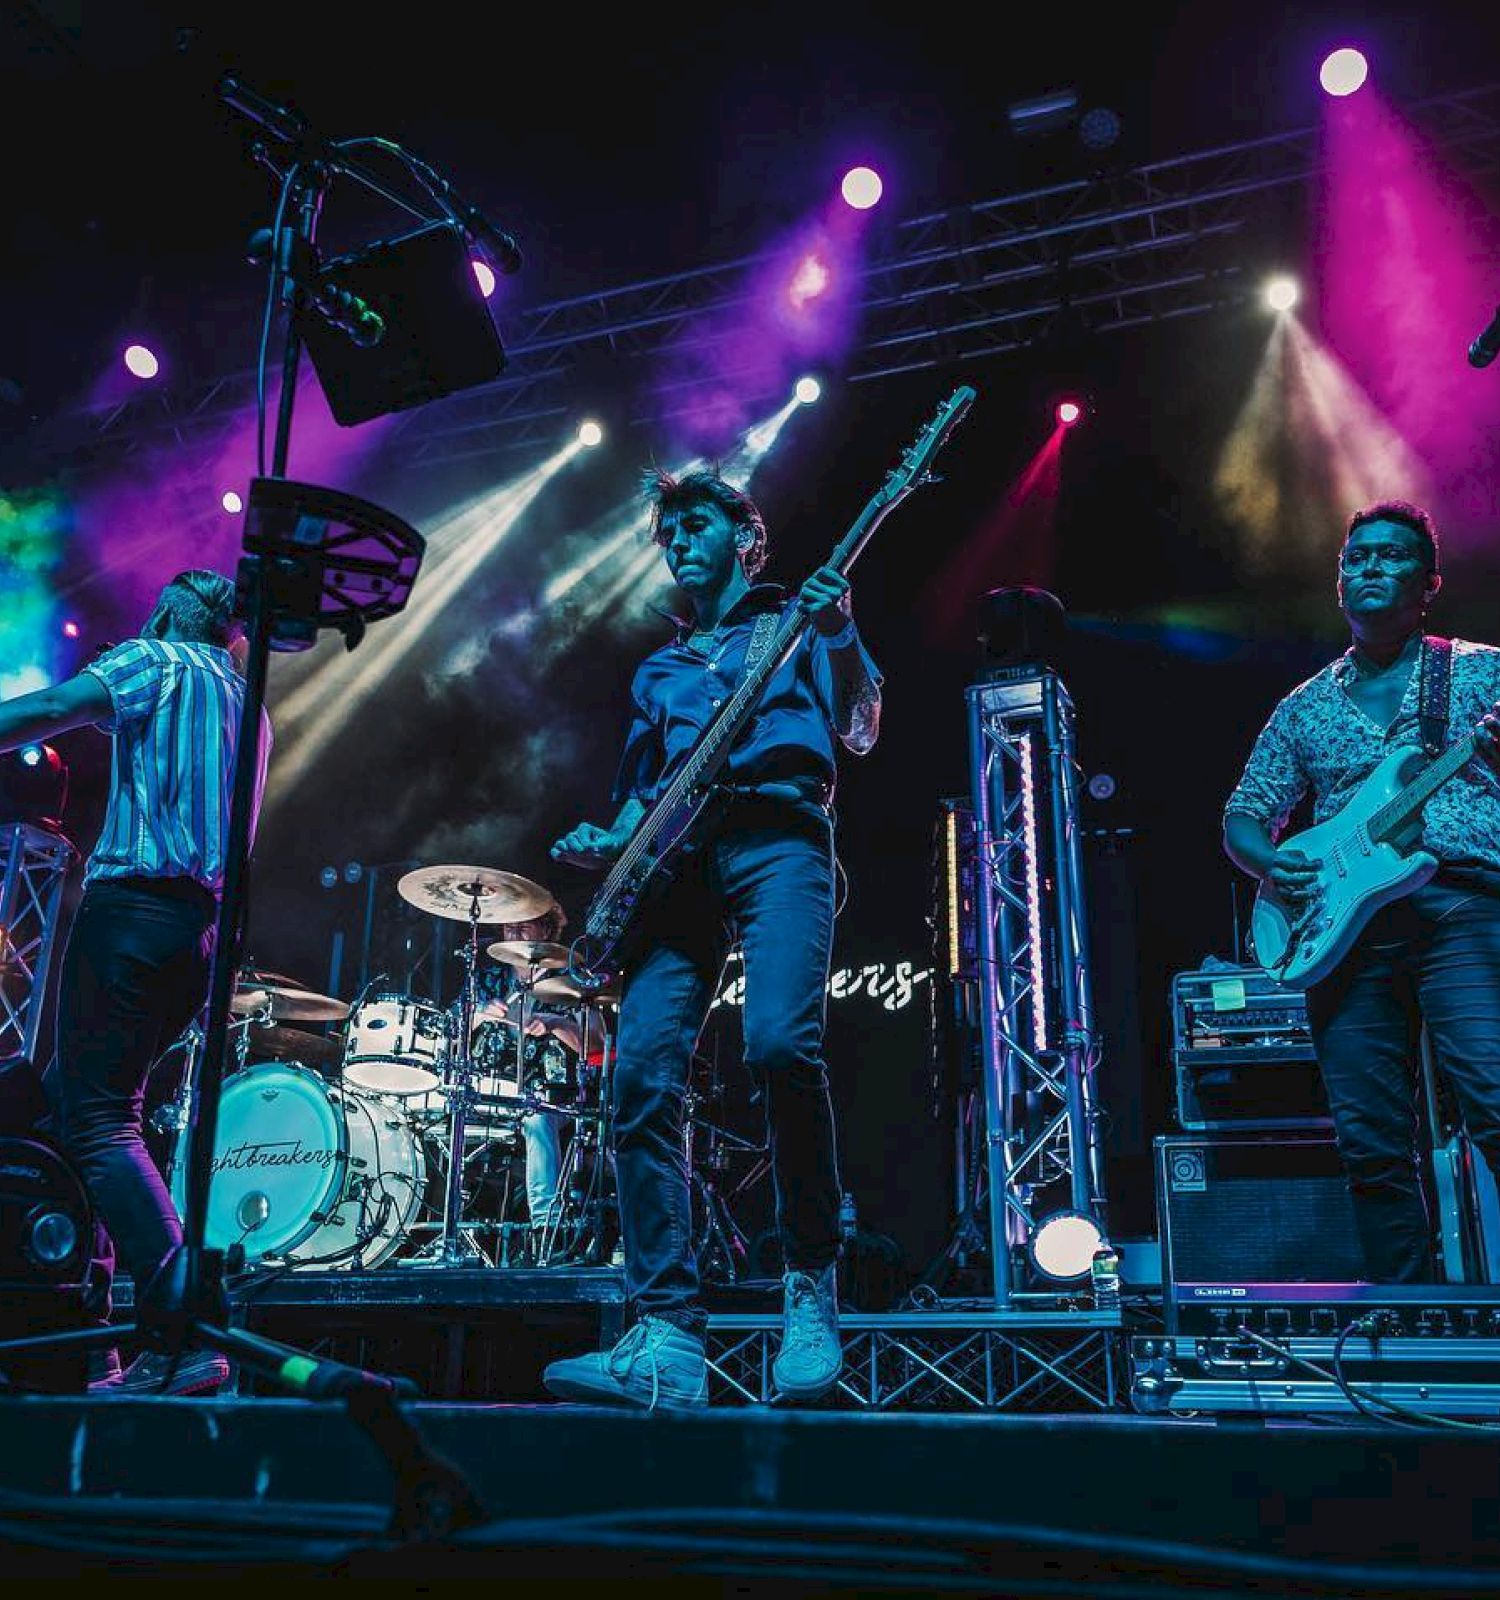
(754, 1499)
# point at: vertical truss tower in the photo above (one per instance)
(35, 865)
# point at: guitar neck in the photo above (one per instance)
(1401, 808)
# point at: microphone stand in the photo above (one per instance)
(282, 600)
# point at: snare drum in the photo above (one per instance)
(304, 1171)
(395, 1044)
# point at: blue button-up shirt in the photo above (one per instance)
(176, 709)
(678, 690)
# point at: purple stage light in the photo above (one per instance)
(140, 361)
(1343, 71)
(861, 188)
(486, 276)
(809, 280)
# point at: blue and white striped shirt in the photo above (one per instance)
(176, 724)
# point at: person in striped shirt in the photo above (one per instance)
(137, 965)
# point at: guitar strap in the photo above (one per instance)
(761, 637)
(1432, 709)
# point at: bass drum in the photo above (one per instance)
(308, 1173)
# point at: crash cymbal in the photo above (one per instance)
(293, 1044)
(452, 891)
(256, 976)
(528, 955)
(561, 987)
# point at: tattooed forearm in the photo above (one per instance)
(858, 713)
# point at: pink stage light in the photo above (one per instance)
(861, 188)
(140, 361)
(1343, 71)
(70, 630)
(486, 275)
(1069, 412)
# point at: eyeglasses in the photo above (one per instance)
(1359, 556)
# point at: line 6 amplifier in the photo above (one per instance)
(1242, 1052)
(1270, 1348)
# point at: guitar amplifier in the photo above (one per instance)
(1258, 1209)
(1242, 1053)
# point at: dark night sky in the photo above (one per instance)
(621, 145)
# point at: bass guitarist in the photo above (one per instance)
(763, 874)
(1433, 956)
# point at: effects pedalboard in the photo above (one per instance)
(1297, 1348)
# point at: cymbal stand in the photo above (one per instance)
(718, 1237)
(453, 1247)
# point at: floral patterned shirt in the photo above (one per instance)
(1319, 741)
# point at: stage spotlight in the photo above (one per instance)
(329, 877)
(231, 502)
(1069, 413)
(590, 433)
(31, 755)
(1343, 71)
(861, 188)
(353, 871)
(1282, 293)
(1062, 1246)
(140, 361)
(70, 629)
(1099, 129)
(33, 786)
(808, 390)
(485, 273)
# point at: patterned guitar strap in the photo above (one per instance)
(761, 637)
(1433, 693)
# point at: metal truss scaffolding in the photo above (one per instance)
(936, 1361)
(1038, 1044)
(35, 866)
(1118, 248)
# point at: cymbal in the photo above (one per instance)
(289, 1005)
(452, 891)
(256, 976)
(561, 987)
(294, 1044)
(528, 954)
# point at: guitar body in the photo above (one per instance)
(1357, 875)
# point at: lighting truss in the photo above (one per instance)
(33, 866)
(1114, 250)
(934, 1361)
(1037, 1035)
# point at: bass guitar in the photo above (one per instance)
(659, 840)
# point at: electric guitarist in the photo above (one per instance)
(1432, 956)
(764, 875)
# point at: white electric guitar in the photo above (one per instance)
(1367, 855)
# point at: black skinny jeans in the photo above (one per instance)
(1432, 957)
(135, 974)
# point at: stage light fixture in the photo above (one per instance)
(861, 188)
(1069, 413)
(1282, 293)
(1343, 71)
(1099, 128)
(34, 786)
(329, 877)
(485, 273)
(1062, 1246)
(1047, 113)
(31, 755)
(140, 362)
(590, 433)
(808, 390)
(70, 629)
(231, 502)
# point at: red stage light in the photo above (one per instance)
(1069, 412)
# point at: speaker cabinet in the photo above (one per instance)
(1241, 1209)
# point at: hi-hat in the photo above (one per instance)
(561, 987)
(529, 955)
(294, 1044)
(288, 1005)
(453, 892)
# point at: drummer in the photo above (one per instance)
(500, 994)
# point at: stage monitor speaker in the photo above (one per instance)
(1249, 1209)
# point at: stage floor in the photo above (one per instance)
(751, 1499)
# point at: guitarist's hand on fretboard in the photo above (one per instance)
(825, 599)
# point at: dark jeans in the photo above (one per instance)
(764, 877)
(135, 973)
(1433, 957)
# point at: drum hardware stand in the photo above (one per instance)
(455, 1246)
(719, 1232)
(314, 558)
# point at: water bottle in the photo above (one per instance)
(1104, 1278)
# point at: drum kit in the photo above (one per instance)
(360, 1148)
